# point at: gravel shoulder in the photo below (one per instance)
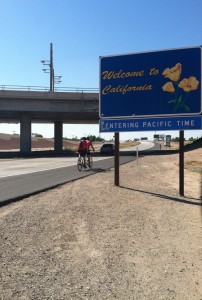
(89, 239)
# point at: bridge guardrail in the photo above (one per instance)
(47, 89)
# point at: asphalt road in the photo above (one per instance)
(20, 178)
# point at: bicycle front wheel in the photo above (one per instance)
(79, 164)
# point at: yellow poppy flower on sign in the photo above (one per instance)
(168, 87)
(173, 73)
(187, 85)
(190, 84)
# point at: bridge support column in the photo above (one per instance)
(58, 137)
(25, 134)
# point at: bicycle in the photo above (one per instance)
(84, 161)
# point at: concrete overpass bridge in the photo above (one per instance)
(59, 107)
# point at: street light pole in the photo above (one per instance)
(53, 79)
(51, 68)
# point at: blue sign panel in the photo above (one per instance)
(151, 124)
(151, 84)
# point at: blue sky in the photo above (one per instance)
(81, 31)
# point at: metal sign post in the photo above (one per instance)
(116, 159)
(181, 163)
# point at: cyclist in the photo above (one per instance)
(89, 145)
(82, 149)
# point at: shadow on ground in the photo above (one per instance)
(165, 197)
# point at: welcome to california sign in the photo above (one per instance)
(160, 83)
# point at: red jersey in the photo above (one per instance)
(89, 144)
(82, 145)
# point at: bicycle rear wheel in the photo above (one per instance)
(80, 164)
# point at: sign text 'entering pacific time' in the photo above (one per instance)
(151, 124)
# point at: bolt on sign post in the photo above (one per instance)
(151, 91)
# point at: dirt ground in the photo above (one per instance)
(90, 239)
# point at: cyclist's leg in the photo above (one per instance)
(79, 163)
(90, 160)
(84, 158)
(88, 154)
(90, 163)
(80, 157)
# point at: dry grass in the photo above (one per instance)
(8, 142)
